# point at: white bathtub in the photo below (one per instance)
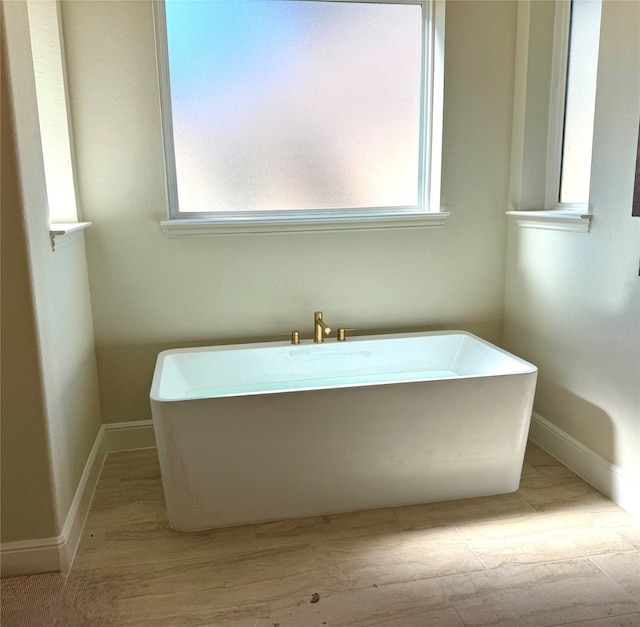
(259, 432)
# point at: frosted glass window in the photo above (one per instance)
(295, 105)
(584, 36)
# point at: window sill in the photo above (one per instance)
(65, 233)
(553, 220)
(231, 226)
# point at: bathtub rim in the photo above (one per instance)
(527, 367)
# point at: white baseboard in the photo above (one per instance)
(77, 514)
(607, 477)
(129, 436)
(27, 557)
(53, 554)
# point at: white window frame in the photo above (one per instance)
(50, 83)
(427, 214)
(557, 106)
(554, 215)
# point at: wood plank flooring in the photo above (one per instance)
(556, 552)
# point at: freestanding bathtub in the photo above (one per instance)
(258, 432)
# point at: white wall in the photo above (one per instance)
(149, 292)
(25, 473)
(65, 417)
(573, 299)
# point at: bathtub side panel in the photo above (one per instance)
(246, 459)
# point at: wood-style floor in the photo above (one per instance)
(556, 552)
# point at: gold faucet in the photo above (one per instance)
(319, 328)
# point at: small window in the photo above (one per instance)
(299, 110)
(573, 102)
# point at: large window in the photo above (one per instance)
(573, 102)
(300, 112)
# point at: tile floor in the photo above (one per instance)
(556, 552)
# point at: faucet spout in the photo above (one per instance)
(320, 329)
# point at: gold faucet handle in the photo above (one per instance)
(342, 333)
(294, 335)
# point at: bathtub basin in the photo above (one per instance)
(258, 432)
